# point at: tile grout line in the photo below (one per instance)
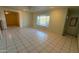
(20, 39)
(14, 42)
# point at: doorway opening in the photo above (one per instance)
(12, 18)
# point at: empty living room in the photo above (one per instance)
(39, 29)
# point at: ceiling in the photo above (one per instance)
(41, 8)
(31, 8)
(38, 8)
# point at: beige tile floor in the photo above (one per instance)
(28, 40)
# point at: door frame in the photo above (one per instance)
(15, 12)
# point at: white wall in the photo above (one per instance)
(25, 18)
(57, 21)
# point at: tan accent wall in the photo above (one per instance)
(57, 21)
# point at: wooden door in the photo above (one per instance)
(12, 18)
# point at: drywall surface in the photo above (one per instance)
(25, 19)
(57, 20)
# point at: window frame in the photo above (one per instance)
(38, 19)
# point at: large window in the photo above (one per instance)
(43, 20)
